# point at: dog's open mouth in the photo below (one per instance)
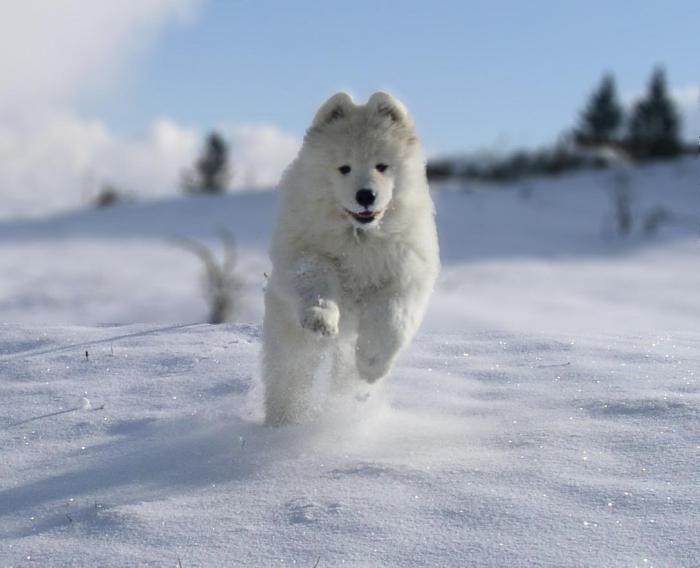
(364, 216)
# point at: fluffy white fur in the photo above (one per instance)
(342, 288)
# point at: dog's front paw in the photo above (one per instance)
(375, 353)
(322, 319)
(372, 366)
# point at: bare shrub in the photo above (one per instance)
(622, 203)
(221, 285)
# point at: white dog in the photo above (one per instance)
(355, 252)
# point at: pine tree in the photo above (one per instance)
(654, 128)
(601, 120)
(212, 172)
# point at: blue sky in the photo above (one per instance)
(123, 93)
(475, 74)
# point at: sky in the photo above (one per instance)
(100, 91)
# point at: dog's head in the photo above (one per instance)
(361, 153)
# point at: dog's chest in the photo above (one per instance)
(367, 262)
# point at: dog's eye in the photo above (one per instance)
(381, 168)
(344, 170)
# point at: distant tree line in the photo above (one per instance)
(605, 134)
(652, 130)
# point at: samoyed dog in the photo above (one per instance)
(354, 254)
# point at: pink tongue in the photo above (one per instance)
(365, 214)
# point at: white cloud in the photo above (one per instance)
(53, 54)
(56, 160)
(260, 152)
(54, 51)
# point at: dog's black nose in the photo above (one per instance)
(365, 197)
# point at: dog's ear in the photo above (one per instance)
(336, 108)
(387, 106)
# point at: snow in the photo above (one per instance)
(547, 414)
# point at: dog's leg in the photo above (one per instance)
(317, 287)
(388, 321)
(312, 290)
(291, 357)
(301, 310)
(343, 370)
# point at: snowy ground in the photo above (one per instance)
(547, 415)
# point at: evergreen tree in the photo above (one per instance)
(654, 128)
(211, 173)
(601, 120)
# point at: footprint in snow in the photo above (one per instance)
(303, 511)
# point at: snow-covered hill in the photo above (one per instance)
(542, 251)
(547, 415)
